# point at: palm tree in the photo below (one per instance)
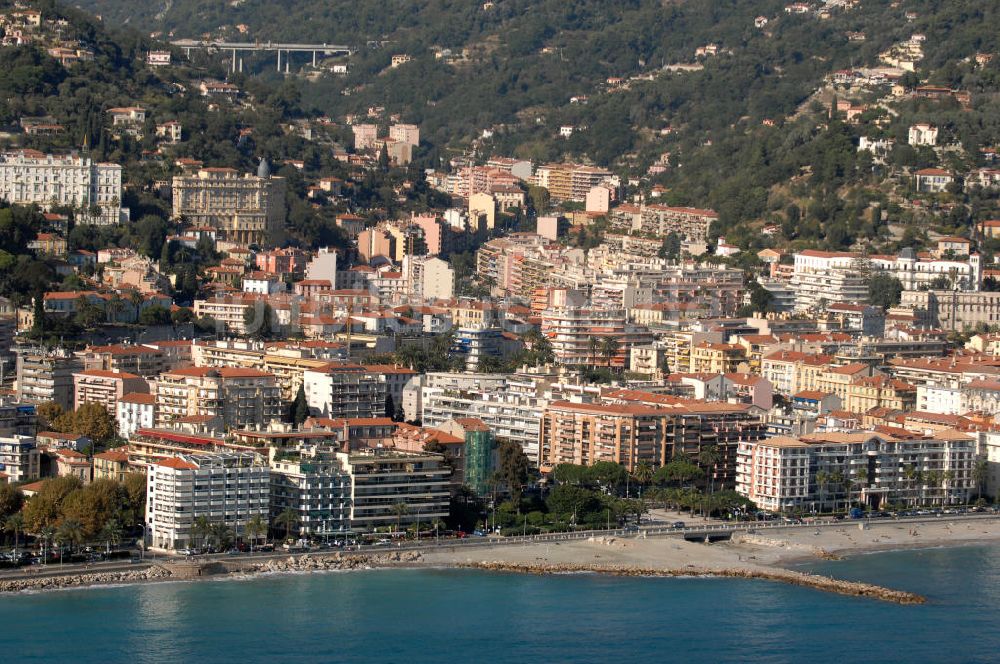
(70, 532)
(288, 519)
(837, 480)
(400, 510)
(223, 535)
(860, 480)
(112, 533)
(910, 474)
(980, 472)
(609, 347)
(47, 535)
(946, 479)
(14, 524)
(592, 345)
(931, 479)
(643, 473)
(114, 306)
(822, 479)
(709, 456)
(201, 528)
(256, 526)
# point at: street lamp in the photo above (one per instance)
(142, 547)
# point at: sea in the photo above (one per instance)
(412, 616)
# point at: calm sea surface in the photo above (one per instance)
(412, 616)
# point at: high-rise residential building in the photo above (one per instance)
(46, 375)
(105, 387)
(585, 433)
(428, 278)
(825, 471)
(383, 480)
(240, 397)
(312, 482)
(340, 389)
(228, 489)
(241, 208)
(29, 177)
(582, 336)
(19, 460)
(569, 182)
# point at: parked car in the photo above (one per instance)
(678, 524)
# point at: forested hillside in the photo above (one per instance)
(721, 103)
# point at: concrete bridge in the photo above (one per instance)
(249, 47)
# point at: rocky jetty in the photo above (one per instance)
(815, 581)
(13, 585)
(330, 562)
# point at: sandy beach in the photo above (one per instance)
(768, 554)
(765, 549)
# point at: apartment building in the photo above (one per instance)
(873, 468)
(19, 458)
(826, 277)
(584, 434)
(341, 389)
(17, 418)
(690, 224)
(245, 208)
(381, 480)
(510, 407)
(46, 375)
(144, 361)
(105, 387)
(135, 411)
(29, 177)
(312, 481)
(239, 397)
(569, 182)
(716, 358)
(880, 392)
(112, 465)
(227, 489)
(582, 337)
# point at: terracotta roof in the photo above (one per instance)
(177, 463)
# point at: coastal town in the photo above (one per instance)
(230, 325)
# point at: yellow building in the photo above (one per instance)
(838, 380)
(716, 358)
(880, 392)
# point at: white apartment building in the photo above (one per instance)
(241, 208)
(876, 469)
(241, 397)
(405, 133)
(572, 331)
(29, 177)
(943, 400)
(339, 389)
(313, 482)
(227, 489)
(827, 277)
(19, 459)
(135, 411)
(382, 479)
(428, 277)
(511, 407)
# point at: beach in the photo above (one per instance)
(769, 553)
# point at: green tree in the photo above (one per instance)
(709, 457)
(91, 420)
(256, 526)
(400, 509)
(980, 472)
(201, 529)
(288, 519)
(112, 533)
(44, 508)
(71, 532)
(884, 290)
(11, 500)
(14, 524)
(513, 469)
(298, 410)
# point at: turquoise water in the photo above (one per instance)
(463, 616)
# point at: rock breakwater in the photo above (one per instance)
(14, 585)
(815, 581)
